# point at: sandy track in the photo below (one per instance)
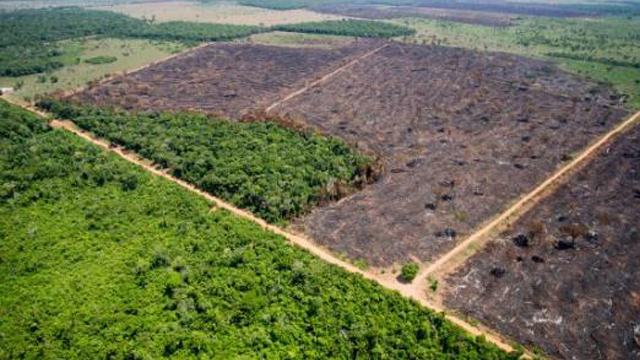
(474, 242)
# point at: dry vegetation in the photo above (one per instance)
(564, 277)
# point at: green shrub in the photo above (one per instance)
(98, 60)
(409, 271)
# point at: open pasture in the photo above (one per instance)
(565, 275)
(218, 12)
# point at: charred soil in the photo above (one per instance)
(461, 135)
(565, 275)
(224, 79)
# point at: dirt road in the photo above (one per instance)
(324, 78)
(471, 244)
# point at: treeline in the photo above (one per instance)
(29, 38)
(193, 32)
(103, 260)
(349, 27)
(283, 4)
(598, 59)
(274, 172)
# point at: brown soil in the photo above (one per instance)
(228, 79)
(565, 276)
(393, 12)
(462, 135)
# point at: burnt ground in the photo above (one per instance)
(565, 276)
(393, 12)
(461, 133)
(226, 79)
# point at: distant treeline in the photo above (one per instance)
(361, 28)
(28, 38)
(598, 59)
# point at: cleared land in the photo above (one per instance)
(394, 12)
(221, 13)
(564, 276)
(461, 134)
(226, 79)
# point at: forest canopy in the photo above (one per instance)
(100, 259)
(275, 172)
(29, 38)
(349, 27)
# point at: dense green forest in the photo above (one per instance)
(276, 173)
(29, 38)
(101, 260)
(361, 28)
(194, 32)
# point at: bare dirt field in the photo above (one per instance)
(565, 275)
(462, 135)
(221, 13)
(225, 79)
(393, 12)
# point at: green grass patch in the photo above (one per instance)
(100, 259)
(131, 53)
(100, 60)
(275, 172)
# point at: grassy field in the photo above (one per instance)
(100, 259)
(606, 49)
(222, 13)
(280, 38)
(130, 53)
